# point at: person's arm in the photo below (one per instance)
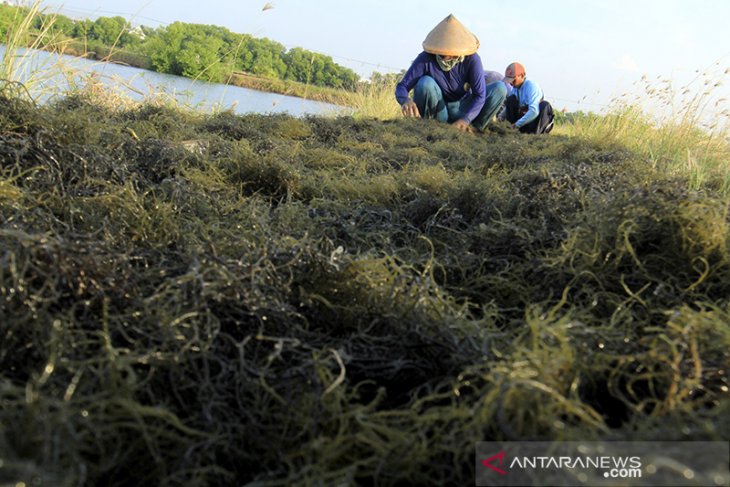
(414, 73)
(475, 77)
(531, 96)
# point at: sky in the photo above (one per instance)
(583, 53)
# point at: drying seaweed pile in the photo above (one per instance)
(267, 300)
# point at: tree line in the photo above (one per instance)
(199, 51)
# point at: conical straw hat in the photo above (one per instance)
(451, 38)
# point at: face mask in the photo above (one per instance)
(448, 65)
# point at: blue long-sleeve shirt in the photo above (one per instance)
(528, 95)
(452, 83)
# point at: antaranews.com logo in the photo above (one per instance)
(603, 463)
(613, 467)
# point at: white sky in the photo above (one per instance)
(583, 53)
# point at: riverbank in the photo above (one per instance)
(243, 80)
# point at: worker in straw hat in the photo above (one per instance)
(526, 108)
(447, 80)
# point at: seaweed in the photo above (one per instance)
(269, 300)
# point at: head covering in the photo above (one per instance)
(492, 76)
(448, 65)
(451, 38)
(513, 70)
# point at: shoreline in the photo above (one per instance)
(240, 79)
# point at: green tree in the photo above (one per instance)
(63, 25)
(111, 31)
(262, 57)
(199, 57)
(7, 15)
(387, 78)
(299, 64)
(60, 24)
(192, 50)
(317, 69)
(162, 47)
(81, 29)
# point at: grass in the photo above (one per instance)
(16, 69)
(290, 88)
(23, 75)
(266, 300)
(374, 100)
(688, 135)
(676, 147)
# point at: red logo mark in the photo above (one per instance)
(488, 462)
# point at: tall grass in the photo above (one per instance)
(687, 133)
(25, 74)
(374, 100)
(17, 68)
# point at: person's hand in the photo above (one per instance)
(462, 125)
(410, 109)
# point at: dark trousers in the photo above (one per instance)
(543, 124)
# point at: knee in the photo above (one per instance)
(498, 90)
(426, 83)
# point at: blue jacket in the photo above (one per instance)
(529, 96)
(452, 83)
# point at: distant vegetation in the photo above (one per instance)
(204, 52)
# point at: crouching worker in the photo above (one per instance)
(525, 107)
(447, 80)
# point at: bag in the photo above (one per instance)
(546, 118)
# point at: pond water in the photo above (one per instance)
(51, 75)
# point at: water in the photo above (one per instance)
(54, 74)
